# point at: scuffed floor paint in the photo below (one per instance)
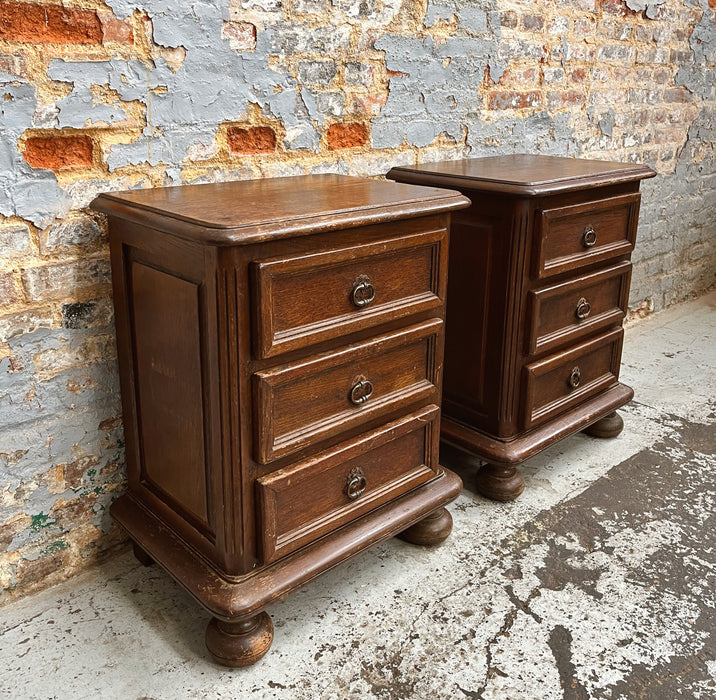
(599, 582)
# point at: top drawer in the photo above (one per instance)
(306, 299)
(581, 234)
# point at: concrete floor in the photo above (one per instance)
(598, 582)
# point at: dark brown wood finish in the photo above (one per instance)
(538, 286)
(280, 349)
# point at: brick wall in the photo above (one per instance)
(115, 94)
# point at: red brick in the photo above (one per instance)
(557, 100)
(346, 135)
(578, 75)
(8, 291)
(676, 95)
(515, 100)
(712, 3)
(59, 152)
(255, 139)
(33, 23)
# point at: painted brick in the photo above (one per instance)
(73, 232)
(514, 100)
(48, 24)
(240, 35)
(616, 52)
(59, 152)
(8, 290)
(346, 135)
(509, 19)
(255, 139)
(53, 281)
(115, 30)
(22, 322)
(316, 72)
(14, 240)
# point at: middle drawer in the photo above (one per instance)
(304, 402)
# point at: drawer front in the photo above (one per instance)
(564, 313)
(302, 503)
(581, 234)
(304, 402)
(562, 381)
(307, 299)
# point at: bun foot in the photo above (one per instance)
(241, 643)
(431, 530)
(608, 427)
(499, 482)
(141, 556)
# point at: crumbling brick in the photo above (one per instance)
(59, 152)
(346, 135)
(251, 140)
(33, 23)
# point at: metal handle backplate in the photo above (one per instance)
(589, 237)
(363, 291)
(575, 377)
(355, 484)
(583, 308)
(361, 391)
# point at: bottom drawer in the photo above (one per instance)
(564, 380)
(301, 503)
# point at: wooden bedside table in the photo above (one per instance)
(280, 351)
(538, 287)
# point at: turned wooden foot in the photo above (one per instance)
(239, 643)
(142, 557)
(431, 530)
(608, 427)
(499, 482)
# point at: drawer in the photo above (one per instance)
(581, 234)
(301, 503)
(566, 312)
(306, 299)
(304, 402)
(564, 380)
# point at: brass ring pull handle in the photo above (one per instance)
(361, 392)
(583, 308)
(575, 378)
(589, 238)
(363, 291)
(355, 484)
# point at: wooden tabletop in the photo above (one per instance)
(247, 211)
(522, 174)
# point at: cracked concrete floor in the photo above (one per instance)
(599, 582)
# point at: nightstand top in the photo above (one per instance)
(249, 211)
(522, 174)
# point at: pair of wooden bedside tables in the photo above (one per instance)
(281, 359)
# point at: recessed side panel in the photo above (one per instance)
(167, 356)
(467, 317)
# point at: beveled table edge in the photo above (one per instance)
(438, 202)
(421, 174)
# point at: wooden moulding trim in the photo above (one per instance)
(280, 228)
(514, 452)
(237, 598)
